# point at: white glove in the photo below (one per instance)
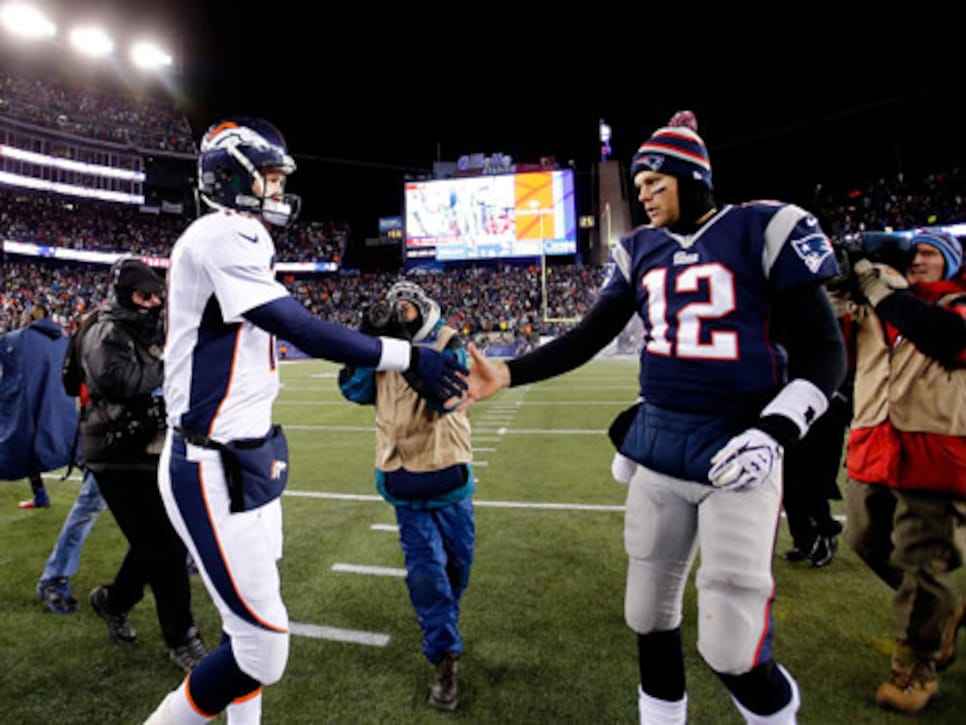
(745, 461)
(877, 281)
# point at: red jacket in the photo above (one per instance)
(910, 420)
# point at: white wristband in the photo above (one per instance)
(801, 402)
(395, 354)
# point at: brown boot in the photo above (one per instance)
(912, 683)
(947, 647)
(444, 689)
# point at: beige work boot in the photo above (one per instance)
(912, 684)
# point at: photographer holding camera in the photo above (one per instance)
(423, 468)
(121, 434)
(906, 493)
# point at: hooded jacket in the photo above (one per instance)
(123, 425)
(37, 416)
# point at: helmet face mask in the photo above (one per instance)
(232, 161)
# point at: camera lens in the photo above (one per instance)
(380, 314)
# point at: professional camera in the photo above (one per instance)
(890, 248)
(382, 318)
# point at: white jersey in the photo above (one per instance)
(220, 371)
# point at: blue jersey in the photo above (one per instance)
(705, 301)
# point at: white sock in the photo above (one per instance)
(785, 716)
(162, 714)
(183, 710)
(247, 711)
(661, 712)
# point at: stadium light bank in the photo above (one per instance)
(87, 38)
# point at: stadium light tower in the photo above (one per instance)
(91, 40)
(26, 21)
(146, 54)
(31, 23)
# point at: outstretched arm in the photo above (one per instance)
(486, 377)
(288, 319)
(602, 323)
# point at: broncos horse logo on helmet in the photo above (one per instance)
(234, 154)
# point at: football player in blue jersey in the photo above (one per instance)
(223, 466)
(722, 397)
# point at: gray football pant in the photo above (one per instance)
(668, 520)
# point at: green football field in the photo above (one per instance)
(542, 618)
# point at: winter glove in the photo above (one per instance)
(877, 281)
(437, 376)
(745, 461)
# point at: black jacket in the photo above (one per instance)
(123, 427)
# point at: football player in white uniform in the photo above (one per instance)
(723, 392)
(224, 463)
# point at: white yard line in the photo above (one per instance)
(476, 502)
(546, 506)
(335, 634)
(337, 496)
(370, 570)
(545, 431)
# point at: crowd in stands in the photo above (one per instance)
(502, 304)
(59, 221)
(67, 290)
(145, 122)
(938, 198)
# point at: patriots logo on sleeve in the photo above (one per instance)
(813, 250)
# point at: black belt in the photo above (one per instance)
(203, 441)
(197, 439)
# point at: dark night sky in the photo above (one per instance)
(362, 100)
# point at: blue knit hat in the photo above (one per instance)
(676, 150)
(946, 243)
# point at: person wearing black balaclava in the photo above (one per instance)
(121, 433)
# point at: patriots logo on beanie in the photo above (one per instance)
(676, 150)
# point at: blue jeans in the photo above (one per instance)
(438, 547)
(64, 560)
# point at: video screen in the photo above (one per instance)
(528, 214)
